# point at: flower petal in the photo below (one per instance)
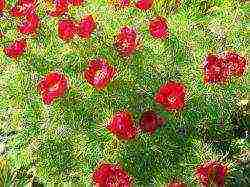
(144, 4)
(171, 95)
(158, 28)
(211, 172)
(109, 175)
(16, 49)
(52, 86)
(86, 26)
(126, 41)
(99, 73)
(151, 121)
(122, 125)
(66, 29)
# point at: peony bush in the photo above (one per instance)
(124, 92)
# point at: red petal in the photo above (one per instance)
(171, 96)
(176, 184)
(86, 27)
(2, 5)
(76, 2)
(16, 49)
(52, 86)
(61, 7)
(22, 10)
(17, 11)
(21, 2)
(126, 41)
(237, 65)
(122, 125)
(211, 172)
(215, 70)
(109, 175)
(151, 121)
(158, 28)
(47, 99)
(144, 4)
(66, 29)
(30, 25)
(173, 88)
(99, 73)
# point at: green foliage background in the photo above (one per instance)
(66, 141)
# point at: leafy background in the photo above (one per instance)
(66, 141)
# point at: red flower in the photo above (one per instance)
(22, 10)
(171, 96)
(122, 126)
(215, 70)
(18, 11)
(237, 65)
(144, 4)
(176, 184)
(126, 41)
(150, 121)
(2, 5)
(16, 49)
(158, 28)
(99, 73)
(110, 175)
(211, 172)
(52, 86)
(86, 27)
(60, 8)
(30, 25)
(66, 29)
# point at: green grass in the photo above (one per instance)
(66, 141)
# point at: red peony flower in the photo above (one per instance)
(122, 126)
(23, 10)
(18, 11)
(30, 24)
(2, 5)
(99, 73)
(215, 70)
(52, 86)
(237, 65)
(211, 173)
(176, 184)
(151, 121)
(110, 175)
(66, 29)
(16, 49)
(60, 8)
(86, 27)
(158, 28)
(171, 95)
(144, 4)
(126, 41)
